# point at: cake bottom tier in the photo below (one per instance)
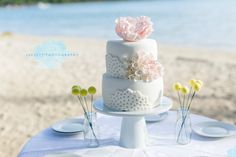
(129, 95)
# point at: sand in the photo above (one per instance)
(32, 98)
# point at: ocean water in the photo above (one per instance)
(198, 23)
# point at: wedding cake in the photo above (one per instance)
(133, 79)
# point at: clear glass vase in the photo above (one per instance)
(183, 129)
(91, 129)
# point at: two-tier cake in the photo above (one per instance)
(133, 79)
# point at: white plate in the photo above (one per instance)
(214, 129)
(68, 126)
(156, 117)
(164, 106)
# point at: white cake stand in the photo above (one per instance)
(133, 128)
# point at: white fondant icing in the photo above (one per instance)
(124, 49)
(151, 91)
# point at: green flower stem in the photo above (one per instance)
(82, 101)
(186, 114)
(184, 101)
(91, 126)
(182, 111)
(181, 105)
(85, 100)
(182, 124)
(91, 103)
(81, 104)
(189, 96)
(87, 117)
(191, 100)
(179, 100)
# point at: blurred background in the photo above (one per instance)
(196, 39)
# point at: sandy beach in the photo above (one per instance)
(32, 98)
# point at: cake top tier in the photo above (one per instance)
(133, 29)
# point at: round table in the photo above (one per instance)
(161, 142)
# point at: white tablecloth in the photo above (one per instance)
(161, 142)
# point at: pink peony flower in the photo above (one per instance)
(144, 67)
(133, 29)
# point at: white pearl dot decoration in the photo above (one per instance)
(114, 66)
(129, 100)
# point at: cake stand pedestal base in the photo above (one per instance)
(133, 132)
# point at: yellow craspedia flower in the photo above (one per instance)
(197, 87)
(83, 92)
(192, 82)
(199, 82)
(184, 90)
(92, 90)
(177, 86)
(75, 90)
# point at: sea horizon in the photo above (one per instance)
(184, 23)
